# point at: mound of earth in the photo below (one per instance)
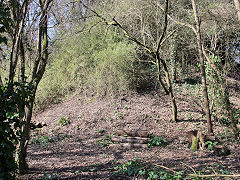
(74, 144)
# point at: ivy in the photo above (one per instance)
(13, 99)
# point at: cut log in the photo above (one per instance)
(129, 145)
(133, 133)
(139, 140)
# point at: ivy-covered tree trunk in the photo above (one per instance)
(37, 74)
(21, 149)
(19, 11)
(227, 106)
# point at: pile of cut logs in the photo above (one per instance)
(131, 138)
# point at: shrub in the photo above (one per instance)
(102, 63)
(156, 141)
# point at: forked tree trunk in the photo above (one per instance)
(168, 90)
(37, 74)
(203, 74)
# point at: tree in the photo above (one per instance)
(203, 73)
(153, 49)
(204, 35)
(21, 37)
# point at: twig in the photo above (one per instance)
(189, 167)
(164, 167)
(215, 175)
(145, 61)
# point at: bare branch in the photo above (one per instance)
(164, 28)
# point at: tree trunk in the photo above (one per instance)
(21, 149)
(237, 5)
(168, 90)
(37, 74)
(227, 105)
(203, 74)
(173, 57)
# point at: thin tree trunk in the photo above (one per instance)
(203, 74)
(237, 5)
(1, 83)
(168, 90)
(22, 62)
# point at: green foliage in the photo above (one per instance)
(63, 121)
(210, 144)
(130, 168)
(42, 140)
(50, 176)
(13, 99)
(5, 21)
(99, 61)
(136, 167)
(105, 140)
(236, 115)
(118, 114)
(45, 140)
(215, 82)
(156, 141)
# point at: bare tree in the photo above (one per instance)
(153, 50)
(203, 74)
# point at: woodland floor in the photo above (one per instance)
(74, 151)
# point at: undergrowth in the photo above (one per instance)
(139, 169)
(104, 64)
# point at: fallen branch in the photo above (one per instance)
(138, 140)
(129, 145)
(215, 175)
(164, 167)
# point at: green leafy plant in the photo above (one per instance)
(42, 140)
(50, 176)
(45, 140)
(211, 144)
(136, 167)
(156, 141)
(104, 63)
(130, 168)
(118, 114)
(105, 140)
(63, 121)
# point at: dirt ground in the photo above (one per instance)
(76, 152)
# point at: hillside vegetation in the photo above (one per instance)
(100, 62)
(73, 74)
